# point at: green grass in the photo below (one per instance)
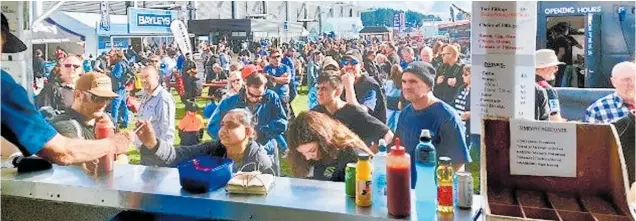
(299, 104)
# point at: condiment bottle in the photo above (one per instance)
(104, 129)
(445, 185)
(363, 180)
(398, 170)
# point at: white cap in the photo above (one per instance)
(546, 58)
(425, 133)
(382, 142)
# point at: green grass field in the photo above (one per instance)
(299, 104)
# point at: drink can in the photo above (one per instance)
(350, 180)
(464, 190)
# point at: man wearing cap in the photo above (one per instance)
(428, 112)
(157, 105)
(360, 88)
(280, 75)
(618, 104)
(23, 126)
(91, 96)
(546, 68)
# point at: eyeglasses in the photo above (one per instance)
(235, 81)
(349, 62)
(154, 61)
(276, 57)
(255, 96)
(72, 65)
(98, 99)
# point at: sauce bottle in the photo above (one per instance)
(103, 129)
(445, 185)
(398, 170)
(363, 180)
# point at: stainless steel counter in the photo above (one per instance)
(152, 189)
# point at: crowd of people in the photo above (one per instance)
(359, 91)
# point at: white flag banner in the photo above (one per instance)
(181, 37)
(104, 24)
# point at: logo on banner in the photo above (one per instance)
(104, 24)
(153, 20)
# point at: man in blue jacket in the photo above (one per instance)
(267, 107)
(281, 77)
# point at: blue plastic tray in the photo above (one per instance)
(204, 173)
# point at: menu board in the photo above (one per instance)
(503, 44)
(541, 148)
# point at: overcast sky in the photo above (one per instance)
(439, 8)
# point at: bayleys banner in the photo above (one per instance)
(150, 21)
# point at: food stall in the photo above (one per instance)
(157, 190)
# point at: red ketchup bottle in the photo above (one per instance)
(398, 176)
(104, 129)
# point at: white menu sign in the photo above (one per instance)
(542, 148)
(503, 74)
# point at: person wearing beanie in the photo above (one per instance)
(360, 88)
(428, 112)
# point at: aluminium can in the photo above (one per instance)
(463, 183)
(350, 180)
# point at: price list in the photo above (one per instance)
(503, 45)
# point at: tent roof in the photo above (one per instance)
(378, 29)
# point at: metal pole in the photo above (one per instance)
(48, 12)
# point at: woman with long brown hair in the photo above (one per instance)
(320, 147)
(394, 99)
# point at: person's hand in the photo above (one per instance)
(122, 142)
(90, 167)
(146, 134)
(374, 147)
(440, 79)
(348, 79)
(452, 82)
(465, 116)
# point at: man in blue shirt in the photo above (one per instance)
(428, 112)
(280, 75)
(24, 126)
(267, 108)
(119, 109)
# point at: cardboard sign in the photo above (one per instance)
(542, 148)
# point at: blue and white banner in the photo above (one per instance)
(104, 24)
(181, 36)
(150, 21)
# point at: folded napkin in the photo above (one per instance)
(250, 183)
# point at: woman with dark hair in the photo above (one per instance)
(236, 141)
(320, 147)
(394, 99)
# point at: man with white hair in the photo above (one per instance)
(618, 104)
(426, 54)
(547, 65)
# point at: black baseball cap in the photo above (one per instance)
(12, 43)
(354, 54)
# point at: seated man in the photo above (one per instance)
(428, 112)
(360, 88)
(618, 104)
(356, 118)
(91, 96)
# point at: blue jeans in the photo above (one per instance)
(120, 109)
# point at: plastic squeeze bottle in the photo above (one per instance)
(104, 129)
(398, 170)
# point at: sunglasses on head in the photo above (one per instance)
(349, 62)
(72, 65)
(97, 99)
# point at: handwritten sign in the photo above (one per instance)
(542, 148)
(503, 45)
